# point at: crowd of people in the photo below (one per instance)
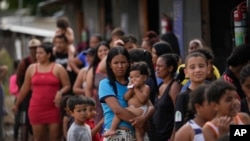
(120, 89)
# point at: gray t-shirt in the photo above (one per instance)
(79, 133)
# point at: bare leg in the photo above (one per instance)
(40, 132)
(113, 127)
(139, 134)
(55, 132)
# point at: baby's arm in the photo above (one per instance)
(69, 34)
(128, 94)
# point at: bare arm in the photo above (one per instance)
(208, 133)
(120, 112)
(140, 121)
(64, 79)
(174, 91)
(20, 74)
(142, 94)
(65, 126)
(74, 64)
(25, 87)
(102, 65)
(69, 35)
(89, 83)
(97, 127)
(78, 85)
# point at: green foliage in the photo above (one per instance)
(6, 60)
(32, 4)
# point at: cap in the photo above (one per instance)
(34, 43)
(89, 51)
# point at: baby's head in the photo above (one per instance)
(139, 72)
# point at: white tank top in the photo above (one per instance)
(198, 136)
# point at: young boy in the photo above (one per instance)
(78, 131)
(91, 113)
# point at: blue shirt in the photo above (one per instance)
(106, 90)
(82, 58)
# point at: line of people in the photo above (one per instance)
(165, 101)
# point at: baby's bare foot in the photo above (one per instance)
(109, 133)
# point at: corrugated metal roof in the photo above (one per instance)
(44, 27)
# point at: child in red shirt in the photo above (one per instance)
(91, 113)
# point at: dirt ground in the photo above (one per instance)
(9, 119)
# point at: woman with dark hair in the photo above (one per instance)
(111, 93)
(150, 38)
(170, 38)
(162, 123)
(94, 76)
(129, 41)
(235, 62)
(158, 49)
(48, 81)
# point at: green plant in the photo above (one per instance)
(6, 60)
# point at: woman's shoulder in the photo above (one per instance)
(176, 84)
(58, 67)
(104, 80)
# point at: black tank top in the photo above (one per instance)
(163, 118)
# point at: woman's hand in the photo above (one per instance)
(138, 122)
(15, 109)
(58, 99)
